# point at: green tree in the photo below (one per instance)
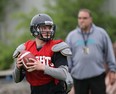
(6, 6)
(64, 12)
(6, 49)
(24, 26)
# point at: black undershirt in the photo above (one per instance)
(58, 59)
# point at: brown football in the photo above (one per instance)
(25, 55)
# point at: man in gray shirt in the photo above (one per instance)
(91, 50)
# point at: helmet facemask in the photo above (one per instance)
(45, 35)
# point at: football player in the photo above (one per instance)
(48, 74)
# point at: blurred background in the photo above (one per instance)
(15, 17)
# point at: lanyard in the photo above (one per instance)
(85, 38)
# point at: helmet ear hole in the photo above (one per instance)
(54, 27)
(34, 31)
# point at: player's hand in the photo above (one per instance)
(19, 63)
(35, 65)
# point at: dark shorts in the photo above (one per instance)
(95, 85)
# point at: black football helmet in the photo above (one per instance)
(42, 20)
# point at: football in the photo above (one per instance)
(25, 55)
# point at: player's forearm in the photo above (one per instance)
(17, 75)
(58, 73)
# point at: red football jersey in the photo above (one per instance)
(44, 55)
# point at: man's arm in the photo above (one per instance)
(18, 73)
